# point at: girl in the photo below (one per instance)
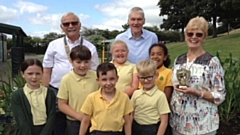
(33, 106)
(128, 81)
(159, 54)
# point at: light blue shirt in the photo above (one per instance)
(138, 48)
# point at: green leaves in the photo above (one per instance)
(231, 106)
(7, 86)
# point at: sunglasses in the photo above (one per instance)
(66, 24)
(197, 34)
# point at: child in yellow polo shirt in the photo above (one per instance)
(149, 103)
(108, 109)
(128, 81)
(75, 87)
(159, 54)
(33, 106)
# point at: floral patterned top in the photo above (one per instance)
(192, 115)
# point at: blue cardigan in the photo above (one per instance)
(22, 112)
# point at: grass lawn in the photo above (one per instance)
(40, 56)
(224, 43)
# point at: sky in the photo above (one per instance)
(39, 17)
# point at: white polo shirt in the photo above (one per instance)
(56, 58)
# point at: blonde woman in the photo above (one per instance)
(195, 108)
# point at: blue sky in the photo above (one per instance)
(39, 17)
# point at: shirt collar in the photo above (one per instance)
(99, 94)
(125, 63)
(150, 92)
(161, 68)
(76, 42)
(29, 91)
(129, 34)
(78, 78)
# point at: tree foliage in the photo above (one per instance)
(125, 26)
(179, 12)
(50, 36)
(107, 34)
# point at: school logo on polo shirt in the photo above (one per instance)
(161, 78)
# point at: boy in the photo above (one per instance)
(75, 86)
(149, 103)
(108, 109)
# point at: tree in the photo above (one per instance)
(97, 40)
(28, 41)
(36, 41)
(86, 32)
(154, 29)
(179, 12)
(51, 36)
(230, 17)
(213, 10)
(125, 26)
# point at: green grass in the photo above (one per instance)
(40, 57)
(224, 43)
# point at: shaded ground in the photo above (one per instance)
(230, 128)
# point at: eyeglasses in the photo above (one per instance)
(148, 78)
(197, 34)
(66, 24)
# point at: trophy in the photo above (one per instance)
(183, 76)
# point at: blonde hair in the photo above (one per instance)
(136, 10)
(70, 13)
(198, 23)
(146, 67)
(118, 42)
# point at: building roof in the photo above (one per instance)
(11, 29)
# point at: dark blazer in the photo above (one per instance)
(22, 112)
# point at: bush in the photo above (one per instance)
(7, 85)
(229, 109)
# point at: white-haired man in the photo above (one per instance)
(138, 39)
(56, 60)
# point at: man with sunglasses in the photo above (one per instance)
(56, 60)
(138, 39)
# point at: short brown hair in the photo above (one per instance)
(80, 52)
(103, 68)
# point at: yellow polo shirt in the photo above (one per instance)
(75, 89)
(36, 100)
(125, 73)
(164, 78)
(149, 105)
(107, 116)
